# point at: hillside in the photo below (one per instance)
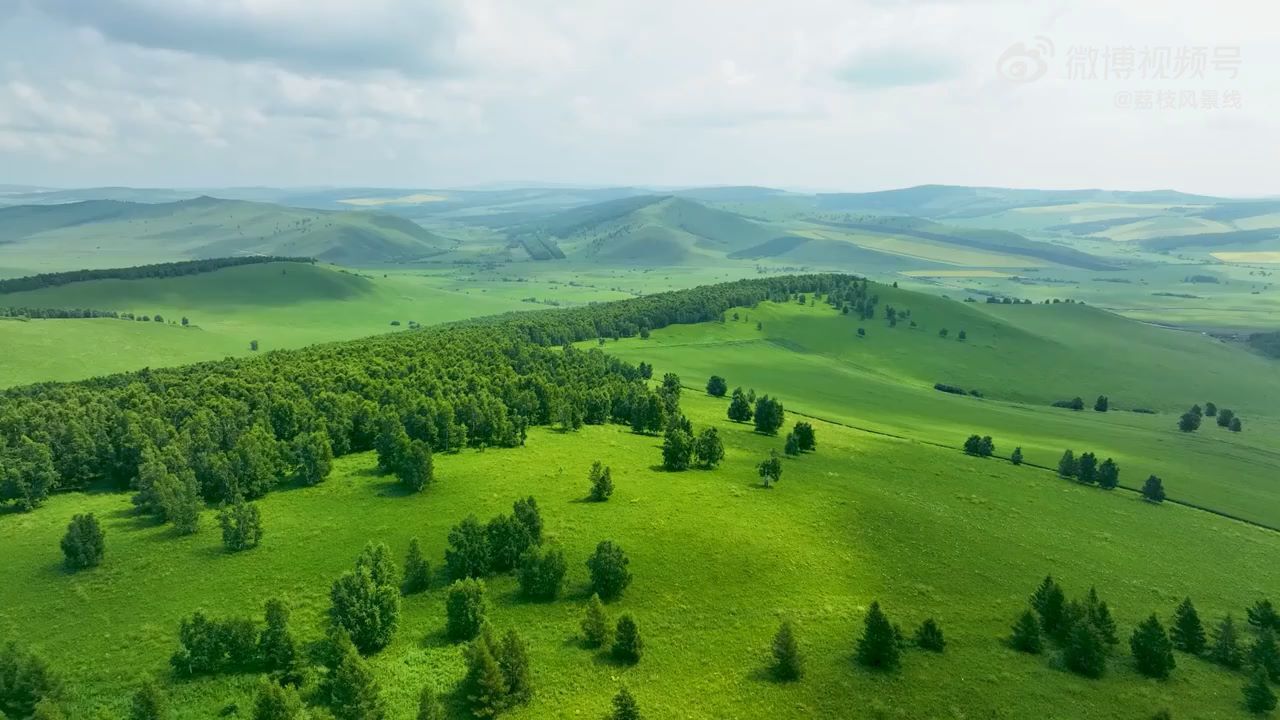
(104, 231)
(648, 230)
(956, 201)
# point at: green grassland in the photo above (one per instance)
(717, 560)
(1022, 358)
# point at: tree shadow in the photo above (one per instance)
(604, 657)
(393, 488)
(438, 638)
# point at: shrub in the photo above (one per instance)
(601, 482)
(465, 609)
(608, 567)
(929, 636)
(85, 543)
(628, 646)
(788, 664)
(241, 526)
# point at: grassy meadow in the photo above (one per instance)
(717, 560)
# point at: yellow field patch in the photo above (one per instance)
(1257, 256)
(956, 274)
(415, 199)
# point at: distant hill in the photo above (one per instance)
(649, 229)
(942, 201)
(210, 227)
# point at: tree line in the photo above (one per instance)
(139, 272)
(243, 426)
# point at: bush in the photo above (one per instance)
(929, 636)
(25, 680)
(717, 387)
(601, 482)
(953, 389)
(541, 573)
(207, 646)
(608, 567)
(85, 543)
(241, 526)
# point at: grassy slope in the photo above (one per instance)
(812, 359)
(227, 309)
(717, 562)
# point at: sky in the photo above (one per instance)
(804, 94)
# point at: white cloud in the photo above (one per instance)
(852, 94)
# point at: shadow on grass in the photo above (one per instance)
(392, 488)
(605, 658)
(439, 638)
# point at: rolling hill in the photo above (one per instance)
(103, 231)
(957, 201)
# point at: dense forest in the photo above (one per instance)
(235, 428)
(140, 272)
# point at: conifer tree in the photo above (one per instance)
(878, 646)
(1265, 655)
(595, 624)
(513, 659)
(429, 705)
(1187, 633)
(1258, 697)
(1016, 457)
(486, 686)
(1026, 634)
(417, 572)
(1067, 466)
(278, 651)
(1152, 651)
(1262, 615)
(624, 707)
(148, 703)
(1083, 652)
(274, 702)
(929, 636)
(1049, 602)
(354, 693)
(628, 646)
(601, 482)
(465, 609)
(788, 664)
(1225, 649)
(1099, 614)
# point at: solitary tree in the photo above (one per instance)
(595, 624)
(788, 664)
(628, 646)
(85, 543)
(417, 572)
(716, 386)
(625, 707)
(878, 646)
(465, 609)
(792, 445)
(1151, 648)
(1153, 489)
(241, 526)
(1016, 457)
(677, 449)
(1101, 404)
(929, 636)
(601, 482)
(1087, 468)
(770, 469)
(1187, 633)
(608, 567)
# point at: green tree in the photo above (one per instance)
(366, 600)
(595, 623)
(1102, 404)
(716, 386)
(25, 680)
(1108, 474)
(628, 646)
(792, 445)
(313, 455)
(929, 636)
(1225, 649)
(416, 468)
(1189, 422)
(417, 572)
(353, 691)
(278, 651)
(1087, 468)
(625, 707)
(677, 450)
(84, 543)
(601, 478)
(788, 663)
(525, 510)
(608, 568)
(739, 407)
(429, 705)
(148, 703)
(485, 685)
(513, 658)
(1026, 634)
(1187, 633)
(48, 709)
(274, 702)
(1264, 654)
(1153, 489)
(1084, 652)
(805, 436)
(465, 609)
(769, 415)
(468, 551)
(1067, 466)
(1225, 417)
(241, 526)
(1016, 457)
(708, 449)
(1263, 615)
(1152, 651)
(508, 539)
(770, 469)
(1258, 697)
(1236, 425)
(878, 646)
(1049, 602)
(542, 573)
(1099, 615)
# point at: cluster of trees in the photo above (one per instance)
(1087, 470)
(26, 683)
(882, 642)
(1085, 636)
(681, 449)
(800, 439)
(1191, 420)
(623, 639)
(139, 272)
(955, 390)
(767, 412)
(983, 446)
(35, 313)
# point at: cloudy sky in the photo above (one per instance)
(806, 94)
